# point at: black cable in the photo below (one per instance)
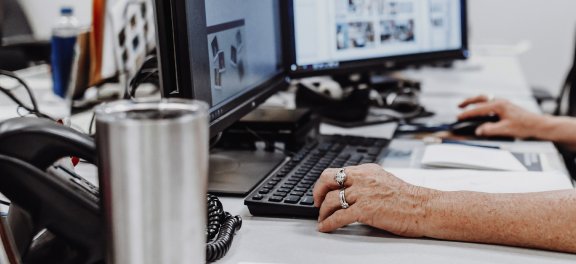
(91, 126)
(137, 81)
(148, 72)
(23, 83)
(8, 92)
(289, 153)
(220, 230)
(4, 203)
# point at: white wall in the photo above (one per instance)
(43, 13)
(550, 26)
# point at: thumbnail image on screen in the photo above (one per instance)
(328, 32)
(243, 44)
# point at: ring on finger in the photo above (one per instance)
(490, 98)
(342, 196)
(340, 177)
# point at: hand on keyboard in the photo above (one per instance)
(376, 198)
(288, 190)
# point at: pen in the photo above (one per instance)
(457, 142)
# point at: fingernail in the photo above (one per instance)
(479, 132)
(320, 225)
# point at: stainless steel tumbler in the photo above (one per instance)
(153, 169)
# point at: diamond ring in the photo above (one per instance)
(340, 177)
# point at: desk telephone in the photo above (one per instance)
(55, 215)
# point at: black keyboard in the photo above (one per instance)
(288, 190)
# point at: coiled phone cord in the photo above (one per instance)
(220, 230)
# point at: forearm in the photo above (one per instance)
(560, 130)
(536, 220)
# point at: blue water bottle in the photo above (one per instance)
(64, 36)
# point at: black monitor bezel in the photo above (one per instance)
(374, 64)
(180, 79)
(2, 10)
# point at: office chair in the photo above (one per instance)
(19, 48)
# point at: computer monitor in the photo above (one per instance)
(224, 52)
(343, 36)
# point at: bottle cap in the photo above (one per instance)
(66, 11)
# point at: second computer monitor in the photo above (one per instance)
(329, 36)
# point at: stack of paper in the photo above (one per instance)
(469, 157)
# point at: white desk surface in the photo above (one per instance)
(277, 240)
(501, 76)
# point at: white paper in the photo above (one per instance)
(468, 157)
(485, 181)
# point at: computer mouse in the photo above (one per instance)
(467, 127)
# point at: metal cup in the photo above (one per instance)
(153, 167)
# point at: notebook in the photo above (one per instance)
(475, 158)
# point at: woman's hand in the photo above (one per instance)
(376, 198)
(514, 121)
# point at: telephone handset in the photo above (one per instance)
(28, 148)
(49, 197)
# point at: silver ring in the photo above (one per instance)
(340, 177)
(490, 97)
(343, 202)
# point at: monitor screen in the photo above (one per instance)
(227, 53)
(347, 34)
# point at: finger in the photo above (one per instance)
(326, 183)
(339, 219)
(474, 100)
(332, 202)
(484, 109)
(323, 185)
(493, 129)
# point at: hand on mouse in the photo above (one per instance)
(514, 121)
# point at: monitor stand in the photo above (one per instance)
(237, 172)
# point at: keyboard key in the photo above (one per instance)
(296, 193)
(258, 197)
(311, 178)
(292, 199)
(291, 180)
(307, 200)
(306, 181)
(283, 189)
(264, 191)
(317, 171)
(281, 194)
(275, 199)
(302, 186)
(300, 189)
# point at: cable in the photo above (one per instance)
(4, 203)
(90, 128)
(289, 153)
(148, 72)
(8, 92)
(220, 230)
